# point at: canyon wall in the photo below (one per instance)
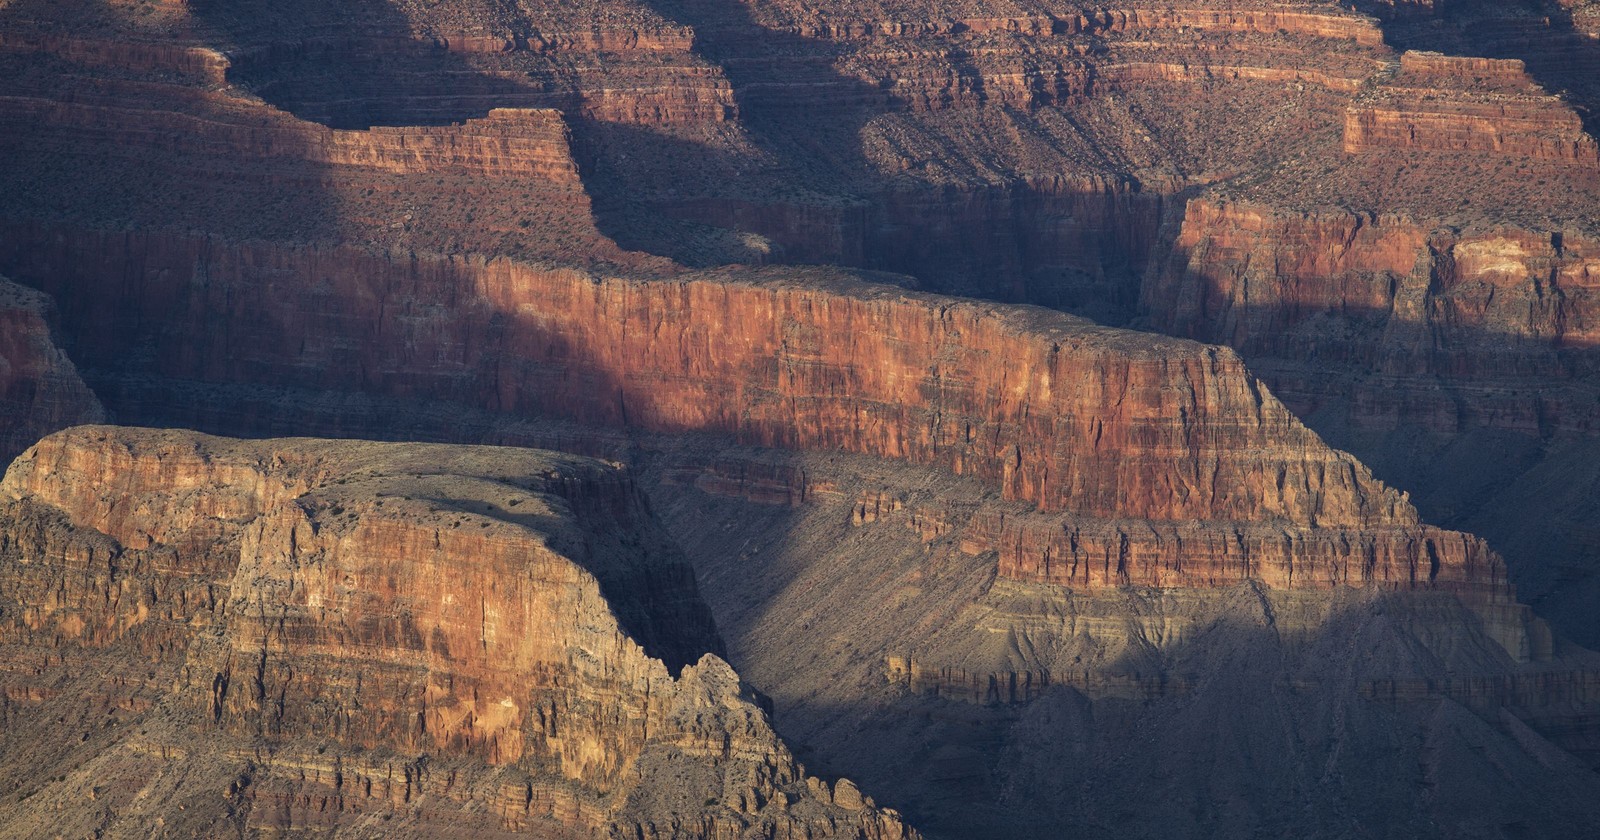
(1069, 553)
(1446, 103)
(204, 64)
(900, 589)
(509, 142)
(1078, 418)
(1422, 348)
(40, 390)
(484, 608)
(1454, 325)
(1096, 424)
(150, 144)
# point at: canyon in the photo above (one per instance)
(918, 486)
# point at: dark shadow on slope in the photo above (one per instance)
(801, 168)
(1236, 733)
(1492, 432)
(1539, 32)
(790, 182)
(953, 777)
(197, 197)
(1236, 726)
(351, 65)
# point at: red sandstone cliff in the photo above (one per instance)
(1193, 534)
(1440, 102)
(471, 617)
(1095, 424)
(1490, 311)
(1049, 408)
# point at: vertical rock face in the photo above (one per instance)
(40, 391)
(1455, 323)
(1421, 347)
(1069, 552)
(1053, 412)
(1440, 102)
(163, 145)
(344, 606)
(1048, 408)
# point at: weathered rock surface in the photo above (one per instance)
(1079, 548)
(877, 616)
(40, 391)
(364, 638)
(105, 132)
(1047, 408)
(1446, 103)
(1422, 348)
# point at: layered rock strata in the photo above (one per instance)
(150, 143)
(1445, 103)
(877, 613)
(700, 113)
(40, 390)
(429, 635)
(1436, 314)
(1099, 425)
(1077, 417)
(1073, 551)
(1421, 347)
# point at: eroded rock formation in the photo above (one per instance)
(40, 391)
(334, 633)
(974, 530)
(1031, 710)
(1049, 408)
(1440, 102)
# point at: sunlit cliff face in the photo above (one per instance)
(886, 320)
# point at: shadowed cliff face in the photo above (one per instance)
(1044, 407)
(427, 636)
(1069, 546)
(1460, 363)
(987, 706)
(40, 391)
(1556, 40)
(126, 121)
(352, 65)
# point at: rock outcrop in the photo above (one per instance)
(879, 616)
(435, 635)
(1050, 410)
(1046, 407)
(1454, 324)
(1445, 103)
(40, 390)
(154, 143)
(1420, 347)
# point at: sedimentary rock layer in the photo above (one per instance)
(509, 142)
(1425, 348)
(875, 613)
(1481, 313)
(343, 606)
(40, 391)
(1445, 103)
(154, 143)
(1049, 408)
